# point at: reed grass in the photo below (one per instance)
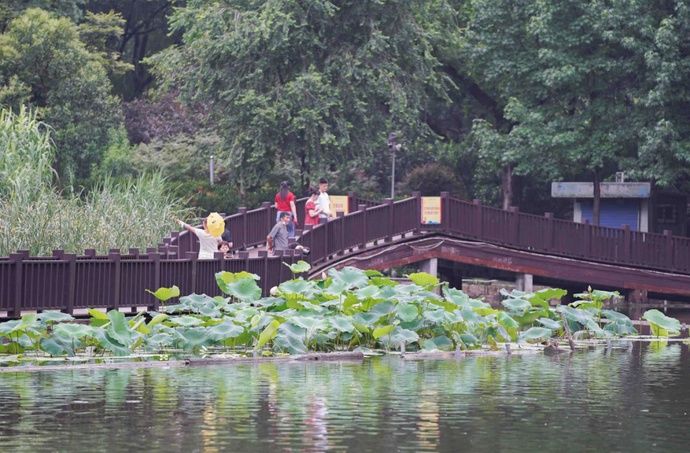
(35, 217)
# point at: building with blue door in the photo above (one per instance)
(635, 204)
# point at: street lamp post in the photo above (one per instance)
(211, 169)
(393, 147)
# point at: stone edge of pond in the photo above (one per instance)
(504, 349)
(191, 362)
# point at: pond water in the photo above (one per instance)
(635, 399)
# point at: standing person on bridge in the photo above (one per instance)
(285, 202)
(324, 202)
(311, 210)
(278, 238)
(208, 242)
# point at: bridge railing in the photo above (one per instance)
(248, 228)
(545, 234)
(69, 282)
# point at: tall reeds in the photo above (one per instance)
(33, 216)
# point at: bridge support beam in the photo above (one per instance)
(524, 282)
(429, 266)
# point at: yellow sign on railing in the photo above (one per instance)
(339, 203)
(431, 210)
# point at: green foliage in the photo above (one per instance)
(45, 64)
(163, 294)
(316, 85)
(304, 316)
(433, 178)
(584, 89)
(102, 219)
(660, 324)
(26, 154)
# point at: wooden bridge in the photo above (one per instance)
(372, 235)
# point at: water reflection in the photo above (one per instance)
(620, 400)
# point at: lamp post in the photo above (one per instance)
(393, 147)
(211, 169)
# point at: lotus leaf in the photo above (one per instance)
(119, 329)
(469, 340)
(268, 333)
(185, 321)
(244, 289)
(54, 316)
(401, 336)
(535, 334)
(342, 323)
(518, 306)
(549, 323)
(368, 292)
(110, 344)
(227, 329)
(195, 337)
(72, 331)
(442, 343)
(299, 267)
(350, 276)
(660, 324)
(407, 312)
(423, 279)
(382, 330)
(56, 346)
(164, 294)
(297, 286)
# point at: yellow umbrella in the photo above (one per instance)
(215, 224)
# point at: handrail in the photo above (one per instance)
(68, 282)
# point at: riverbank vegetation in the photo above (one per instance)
(503, 96)
(350, 310)
(38, 217)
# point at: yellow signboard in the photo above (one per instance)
(431, 210)
(339, 203)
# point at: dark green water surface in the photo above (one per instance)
(628, 400)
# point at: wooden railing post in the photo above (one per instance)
(341, 219)
(156, 259)
(445, 211)
(71, 259)
(241, 242)
(351, 200)
(670, 258)
(193, 258)
(270, 221)
(115, 258)
(17, 259)
(263, 254)
(548, 234)
(418, 211)
(515, 225)
(588, 238)
(478, 211)
(627, 238)
(363, 243)
(391, 220)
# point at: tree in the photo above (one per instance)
(573, 78)
(45, 64)
(315, 84)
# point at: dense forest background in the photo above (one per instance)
(491, 99)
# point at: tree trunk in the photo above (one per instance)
(507, 186)
(596, 202)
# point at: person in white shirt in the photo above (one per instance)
(208, 244)
(324, 202)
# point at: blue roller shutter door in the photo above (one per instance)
(615, 213)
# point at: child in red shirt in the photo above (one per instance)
(311, 210)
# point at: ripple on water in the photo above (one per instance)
(626, 400)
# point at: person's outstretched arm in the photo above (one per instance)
(294, 212)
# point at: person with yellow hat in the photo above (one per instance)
(209, 236)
